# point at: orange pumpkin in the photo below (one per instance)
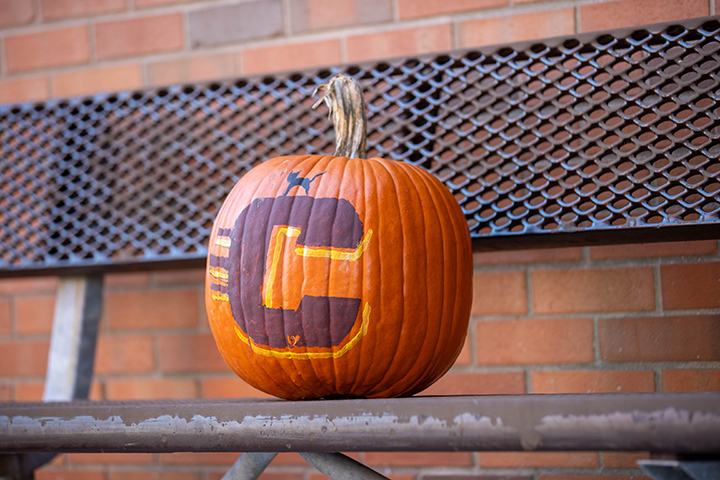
(339, 276)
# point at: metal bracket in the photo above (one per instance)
(334, 465)
(340, 467)
(249, 466)
(681, 469)
(78, 306)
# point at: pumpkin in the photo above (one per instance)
(339, 276)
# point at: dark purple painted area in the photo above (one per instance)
(319, 321)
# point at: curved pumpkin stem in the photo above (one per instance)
(344, 99)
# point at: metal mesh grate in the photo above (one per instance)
(593, 133)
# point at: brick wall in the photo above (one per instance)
(595, 319)
(59, 48)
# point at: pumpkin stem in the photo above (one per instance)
(344, 99)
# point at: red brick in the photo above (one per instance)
(16, 12)
(229, 387)
(34, 313)
(32, 284)
(538, 459)
(295, 56)
(158, 308)
(132, 279)
(201, 458)
(627, 13)
(593, 477)
(154, 475)
(139, 36)
(252, 19)
(150, 389)
(465, 357)
(111, 458)
(5, 318)
(26, 89)
(190, 353)
(394, 43)
(124, 354)
(593, 290)
(190, 275)
(593, 381)
(46, 49)
(644, 250)
(495, 383)
(539, 255)
(513, 342)
(418, 459)
(158, 3)
(691, 285)
(23, 359)
(623, 459)
(96, 392)
(291, 458)
(270, 474)
(479, 476)
(426, 8)
(691, 380)
(653, 339)
(315, 475)
(6, 393)
(516, 28)
(57, 461)
(59, 473)
(61, 9)
(190, 69)
(96, 80)
(29, 391)
(499, 293)
(322, 14)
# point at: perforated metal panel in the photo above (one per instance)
(590, 134)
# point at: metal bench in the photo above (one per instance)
(600, 138)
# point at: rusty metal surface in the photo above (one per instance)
(687, 423)
(601, 137)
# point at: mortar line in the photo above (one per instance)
(596, 341)
(578, 19)
(395, 11)
(657, 280)
(529, 307)
(287, 20)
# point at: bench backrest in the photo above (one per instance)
(584, 139)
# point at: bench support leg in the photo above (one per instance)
(340, 467)
(78, 305)
(334, 465)
(249, 466)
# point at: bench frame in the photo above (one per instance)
(686, 425)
